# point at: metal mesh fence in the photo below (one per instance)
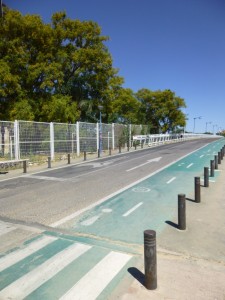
(37, 140)
(7, 149)
(65, 138)
(34, 138)
(88, 134)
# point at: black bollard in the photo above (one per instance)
(99, 153)
(24, 166)
(142, 144)
(197, 190)
(135, 146)
(216, 162)
(212, 168)
(119, 148)
(219, 158)
(150, 259)
(68, 158)
(110, 151)
(49, 162)
(221, 154)
(85, 155)
(206, 177)
(181, 211)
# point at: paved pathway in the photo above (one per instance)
(97, 254)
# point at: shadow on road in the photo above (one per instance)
(138, 275)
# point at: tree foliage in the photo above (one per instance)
(63, 71)
(161, 109)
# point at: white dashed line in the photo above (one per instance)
(189, 165)
(172, 179)
(132, 209)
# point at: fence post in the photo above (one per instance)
(150, 260)
(97, 136)
(78, 138)
(16, 140)
(113, 136)
(52, 150)
(129, 135)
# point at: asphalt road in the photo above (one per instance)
(48, 196)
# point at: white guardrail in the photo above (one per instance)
(157, 139)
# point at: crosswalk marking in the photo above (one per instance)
(23, 286)
(20, 254)
(93, 283)
(5, 228)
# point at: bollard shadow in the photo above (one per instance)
(138, 275)
(4, 172)
(189, 199)
(172, 224)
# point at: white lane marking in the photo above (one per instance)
(79, 212)
(5, 228)
(201, 155)
(93, 283)
(172, 179)
(148, 162)
(141, 189)
(90, 221)
(44, 178)
(20, 254)
(132, 209)
(107, 210)
(26, 284)
(189, 165)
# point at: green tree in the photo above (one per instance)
(39, 61)
(125, 108)
(161, 110)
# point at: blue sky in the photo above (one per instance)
(159, 44)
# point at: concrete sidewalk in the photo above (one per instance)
(190, 263)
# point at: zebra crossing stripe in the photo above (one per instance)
(20, 254)
(25, 285)
(93, 283)
(5, 228)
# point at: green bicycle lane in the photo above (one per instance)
(146, 205)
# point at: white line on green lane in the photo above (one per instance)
(25, 285)
(189, 165)
(93, 283)
(171, 180)
(132, 209)
(14, 257)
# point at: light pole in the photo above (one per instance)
(100, 107)
(206, 126)
(194, 122)
(1, 9)
(214, 127)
